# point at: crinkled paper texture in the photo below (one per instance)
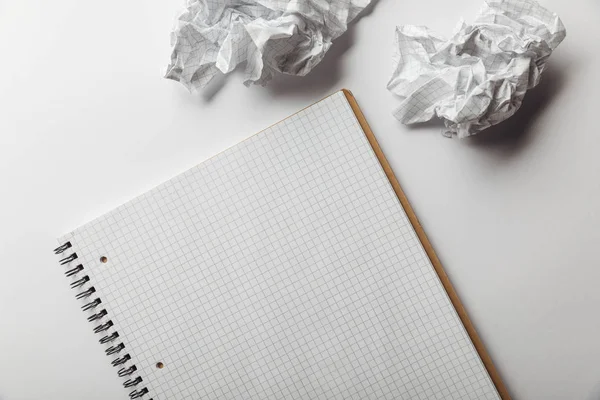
(271, 36)
(479, 76)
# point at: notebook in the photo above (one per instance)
(289, 266)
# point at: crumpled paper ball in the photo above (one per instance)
(286, 36)
(479, 76)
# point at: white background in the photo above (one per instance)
(87, 122)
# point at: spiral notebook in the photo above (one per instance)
(289, 266)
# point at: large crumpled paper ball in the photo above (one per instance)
(287, 36)
(479, 76)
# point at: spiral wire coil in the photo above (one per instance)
(81, 283)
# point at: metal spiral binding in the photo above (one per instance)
(80, 282)
(105, 324)
(97, 316)
(91, 305)
(127, 371)
(115, 349)
(121, 360)
(75, 270)
(136, 394)
(61, 249)
(109, 338)
(86, 293)
(68, 259)
(132, 382)
(103, 327)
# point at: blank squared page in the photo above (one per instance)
(283, 268)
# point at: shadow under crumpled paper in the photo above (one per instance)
(514, 134)
(214, 86)
(594, 393)
(321, 79)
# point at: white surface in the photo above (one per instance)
(297, 278)
(85, 125)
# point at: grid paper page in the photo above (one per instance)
(282, 268)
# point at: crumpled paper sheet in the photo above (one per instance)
(287, 36)
(479, 76)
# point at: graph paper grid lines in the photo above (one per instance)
(283, 267)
